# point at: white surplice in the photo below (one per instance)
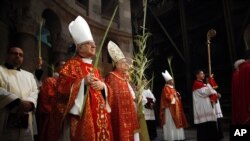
(16, 84)
(216, 106)
(202, 108)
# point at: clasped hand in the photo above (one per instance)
(94, 82)
(24, 106)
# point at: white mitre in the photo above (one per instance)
(238, 62)
(166, 76)
(80, 31)
(115, 52)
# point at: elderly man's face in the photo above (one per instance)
(86, 50)
(122, 65)
(171, 82)
(15, 57)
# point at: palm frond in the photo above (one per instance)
(141, 63)
(41, 21)
(170, 65)
(98, 56)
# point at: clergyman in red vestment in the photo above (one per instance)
(244, 91)
(45, 101)
(235, 91)
(122, 99)
(172, 116)
(79, 115)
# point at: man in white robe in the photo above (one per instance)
(204, 115)
(216, 108)
(18, 98)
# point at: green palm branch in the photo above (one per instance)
(41, 21)
(141, 63)
(170, 66)
(98, 56)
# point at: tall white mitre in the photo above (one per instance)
(115, 52)
(166, 76)
(80, 31)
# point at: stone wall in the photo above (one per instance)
(58, 14)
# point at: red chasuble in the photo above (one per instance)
(176, 109)
(94, 124)
(123, 114)
(45, 101)
(244, 93)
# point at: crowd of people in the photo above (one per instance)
(77, 104)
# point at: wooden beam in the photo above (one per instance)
(168, 36)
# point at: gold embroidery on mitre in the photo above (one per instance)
(115, 52)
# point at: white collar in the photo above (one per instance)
(87, 60)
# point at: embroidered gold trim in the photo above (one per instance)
(119, 76)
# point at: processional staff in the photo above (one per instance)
(211, 33)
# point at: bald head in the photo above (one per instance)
(238, 62)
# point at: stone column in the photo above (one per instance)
(125, 16)
(27, 28)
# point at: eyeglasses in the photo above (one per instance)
(87, 43)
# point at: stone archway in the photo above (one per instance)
(52, 28)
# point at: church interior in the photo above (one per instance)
(178, 29)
